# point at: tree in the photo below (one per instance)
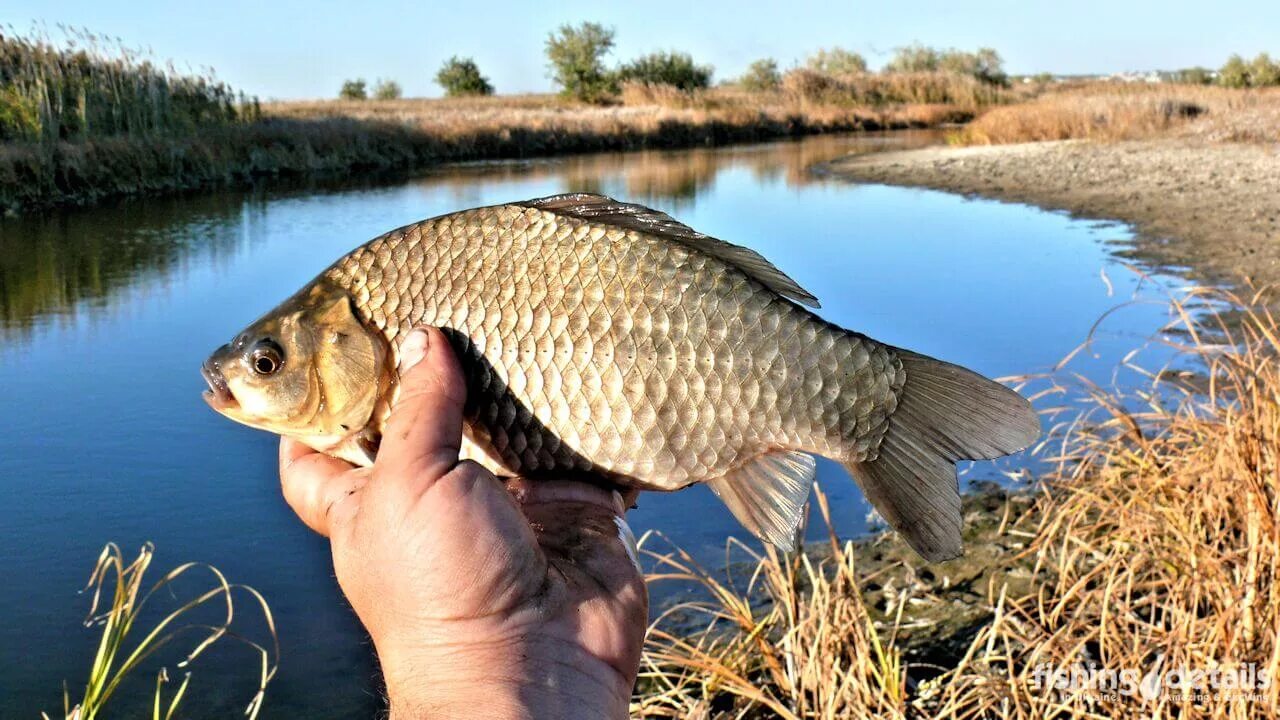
(1193, 76)
(575, 57)
(988, 67)
(461, 76)
(913, 58)
(1234, 74)
(1263, 71)
(984, 65)
(354, 90)
(837, 61)
(667, 68)
(761, 75)
(387, 90)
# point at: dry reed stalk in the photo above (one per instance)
(1155, 546)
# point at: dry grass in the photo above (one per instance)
(809, 86)
(791, 638)
(332, 136)
(1117, 111)
(1155, 545)
(131, 635)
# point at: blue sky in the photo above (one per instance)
(291, 49)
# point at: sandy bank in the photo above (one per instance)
(1213, 209)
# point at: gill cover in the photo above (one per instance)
(327, 385)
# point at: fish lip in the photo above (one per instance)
(219, 394)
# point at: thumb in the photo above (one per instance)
(424, 432)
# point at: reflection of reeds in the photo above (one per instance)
(114, 662)
(1154, 546)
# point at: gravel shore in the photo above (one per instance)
(1208, 210)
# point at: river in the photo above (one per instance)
(107, 313)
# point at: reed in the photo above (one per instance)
(93, 87)
(1122, 111)
(902, 88)
(1153, 544)
(121, 652)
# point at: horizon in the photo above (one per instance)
(254, 48)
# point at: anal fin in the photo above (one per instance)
(769, 494)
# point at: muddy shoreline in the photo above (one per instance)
(1208, 211)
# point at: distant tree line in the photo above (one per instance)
(577, 61)
(984, 65)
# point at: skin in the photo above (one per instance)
(520, 598)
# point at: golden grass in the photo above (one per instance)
(1120, 111)
(334, 136)
(115, 661)
(1154, 545)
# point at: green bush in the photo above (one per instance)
(461, 76)
(912, 59)
(667, 68)
(761, 75)
(837, 61)
(575, 57)
(354, 90)
(387, 90)
(985, 64)
(1264, 72)
(1194, 76)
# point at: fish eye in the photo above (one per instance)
(266, 357)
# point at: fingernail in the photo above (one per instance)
(414, 349)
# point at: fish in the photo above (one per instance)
(607, 340)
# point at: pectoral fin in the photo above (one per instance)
(769, 495)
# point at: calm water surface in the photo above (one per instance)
(106, 315)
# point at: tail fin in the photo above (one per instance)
(945, 413)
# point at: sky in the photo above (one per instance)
(285, 49)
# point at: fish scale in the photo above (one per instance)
(706, 367)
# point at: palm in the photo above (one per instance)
(549, 564)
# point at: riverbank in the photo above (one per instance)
(342, 138)
(1208, 209)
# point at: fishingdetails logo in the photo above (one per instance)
(1244, 681)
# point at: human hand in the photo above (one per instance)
(523, 601)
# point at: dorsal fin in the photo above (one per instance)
(769, 495)
(602, 209)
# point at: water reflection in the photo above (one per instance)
(675, 178)
(54, 267)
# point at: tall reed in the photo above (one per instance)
(93, 87)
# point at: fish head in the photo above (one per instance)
(310, 369)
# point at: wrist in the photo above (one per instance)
(527, 679)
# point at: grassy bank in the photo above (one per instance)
(1152, 547)
(1118, 111)
(89, 120)
(338, 137)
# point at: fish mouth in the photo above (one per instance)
(219, 394)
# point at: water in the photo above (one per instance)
(108, 313)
